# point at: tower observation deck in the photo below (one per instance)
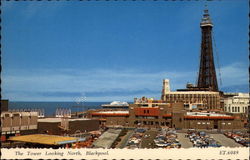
(207, 73)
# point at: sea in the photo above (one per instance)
(50, 107)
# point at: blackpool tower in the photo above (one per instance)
(207, 73)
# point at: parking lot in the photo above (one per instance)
(185, 142)
(227, 142)
(135, 139)
(148, 139)
(171, 138)
(202, 139)
(238, 137)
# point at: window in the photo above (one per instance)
(238, 109)
(15, 115)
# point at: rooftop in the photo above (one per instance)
(114, 112)
(56, 119)
(211, 114)
(116, 103)
(111, 113)
(45, 139)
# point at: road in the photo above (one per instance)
(185, 142)
(125, 139)
(224, 141)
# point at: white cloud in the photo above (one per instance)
(234, 74)
(27, 85)
(18, 82)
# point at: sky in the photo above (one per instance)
(116, 50)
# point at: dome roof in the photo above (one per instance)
(118, 103)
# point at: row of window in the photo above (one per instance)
(226, 123)
(191, 96)
(196, 100)
(203, 122)
(151, 123)
(15, 116)
(240, 102)
(223, 123)
(147, 117)
(235, 109)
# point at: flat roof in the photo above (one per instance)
(23, 113)
(206, 114)
(58, 119)
(111, 112)
(199, 115)
(45, 139)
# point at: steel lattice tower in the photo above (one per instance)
(207, 74)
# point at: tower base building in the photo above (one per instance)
(194, 98)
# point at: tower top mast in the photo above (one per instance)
(206, 20)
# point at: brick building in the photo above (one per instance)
(4, 105)
(61, 126)
(18, 123)
(200, 97)
(157, 113)
(110, 117)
